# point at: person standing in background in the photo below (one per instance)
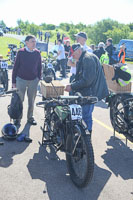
(109, 48)
(81, 38)
(61, 60)
(122, 54)
(101, 50)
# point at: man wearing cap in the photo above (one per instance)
(81, 38)
(89, 80)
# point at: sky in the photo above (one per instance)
(69, 11)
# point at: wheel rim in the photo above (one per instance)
(118, 116)
(79, 159)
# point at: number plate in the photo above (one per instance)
(50, 65)
(4, 65)
(76, 111)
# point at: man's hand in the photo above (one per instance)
(71, 63)
(68, 88)
(14, 85)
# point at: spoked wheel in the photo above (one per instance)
(117, 115)
(79, 157)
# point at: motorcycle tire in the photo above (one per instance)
(5, 80)
(118, 113)
(79, 154)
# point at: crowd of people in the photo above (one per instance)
(85, 62)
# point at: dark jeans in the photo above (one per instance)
(62, 64)
(87, 115)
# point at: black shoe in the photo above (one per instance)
(32, 122)
(22, 137)
(27, 139)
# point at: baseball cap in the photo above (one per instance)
(74, 47)
(81, 34)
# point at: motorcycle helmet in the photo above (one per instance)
(9, 131)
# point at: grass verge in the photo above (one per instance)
(4, 41)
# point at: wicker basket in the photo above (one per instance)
(113, 85)
(47, 89)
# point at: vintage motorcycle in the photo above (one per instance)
(4, 73)
(121, 114)
(65, 130)
(12, 52)
(48, 65)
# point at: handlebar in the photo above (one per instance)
(8, 92)
(67, 100)
(41, 103)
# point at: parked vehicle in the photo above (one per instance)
(64, 129)
(4, 73)
(1, 32)
(49, 67)
(12, 52)
(121, 114)
(129, 47)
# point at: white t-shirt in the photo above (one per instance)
(86, 48)
(62, 54)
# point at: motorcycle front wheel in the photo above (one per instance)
(79, 157)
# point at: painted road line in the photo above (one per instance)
(110, 129)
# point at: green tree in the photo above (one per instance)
(118, 33)
(44, 26)
(65, 26)
(130, 36)
(2, 24)
(131, 26)
(51, 27)
(80, 26)
(33, 29)
(98, 30)
(72, 32)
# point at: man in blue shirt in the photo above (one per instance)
(61, 59)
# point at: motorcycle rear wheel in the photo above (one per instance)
(79, 157)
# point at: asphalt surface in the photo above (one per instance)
(35, 172)
(31, 171)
